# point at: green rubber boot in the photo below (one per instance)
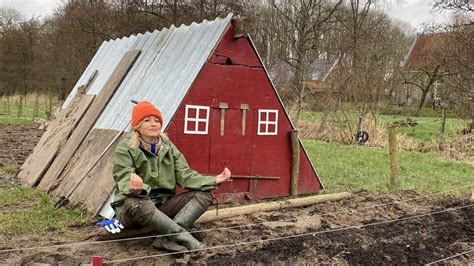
(189, 213)
(163, 243)
(164, 225)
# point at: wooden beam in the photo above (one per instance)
(210, 215)
(56, 135)
(51, 179)
(254, 177)
(87, 180)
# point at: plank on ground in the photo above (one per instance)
(53, 139)
(51, 179)
(90, 192)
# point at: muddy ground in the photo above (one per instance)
(324, 239)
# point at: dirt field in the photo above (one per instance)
(412, 241)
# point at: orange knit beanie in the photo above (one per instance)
(143, 109)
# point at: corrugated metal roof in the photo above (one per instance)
(163, 73)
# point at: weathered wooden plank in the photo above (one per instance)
(51, 179)
(53, 139)
(90, 192)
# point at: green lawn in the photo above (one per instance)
(26, 116)
(427, 128)
(30, 211)
(352, 168)
(425, 131)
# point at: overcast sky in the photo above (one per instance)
(414, 12)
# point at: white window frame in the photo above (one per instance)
(263, 124)
(196, 119)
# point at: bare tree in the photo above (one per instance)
(299, 25)
(369, 47)
(10, 18)
(457, 89)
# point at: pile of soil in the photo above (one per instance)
(412, 241)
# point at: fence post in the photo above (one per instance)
(441, 133)
(393, 150)
(8, 104)
(35, 108)
(49, 113)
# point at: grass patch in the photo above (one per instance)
(25, 118)
(9, 169)
(352, 168)
(29, 211)
(425, 131)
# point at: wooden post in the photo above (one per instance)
(472, 194)
(244, 107)
(50, 105)
(35, 108)
(441, 133)
(223, 106)
(393, 150)
(295, 162)
(18, 108)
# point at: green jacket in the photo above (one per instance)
(159, 173)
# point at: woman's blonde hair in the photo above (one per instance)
(135, 139)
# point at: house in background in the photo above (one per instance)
(423, 65)
(318, 80)
(219, 107)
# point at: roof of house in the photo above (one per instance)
(320, 69)
(425, 52)
(170, 60)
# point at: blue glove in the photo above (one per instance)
(112, 226)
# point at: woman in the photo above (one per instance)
(147, 167)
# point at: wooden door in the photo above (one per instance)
(231, 149)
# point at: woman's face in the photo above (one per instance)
(150, 127)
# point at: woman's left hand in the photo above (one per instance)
(224, 176)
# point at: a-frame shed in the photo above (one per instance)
(218, 102)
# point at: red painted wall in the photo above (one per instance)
(234, 75)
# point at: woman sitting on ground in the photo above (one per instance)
(146, 169)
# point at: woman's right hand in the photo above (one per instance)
(224, 176)
(136, 184)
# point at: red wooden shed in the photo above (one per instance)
(233, 117)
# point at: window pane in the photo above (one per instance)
(271, 128)
(202, 127)
(191, 126)
(191, 112)
(202, 114)
(271, 116)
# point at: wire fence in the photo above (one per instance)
(290, 236)
(243, 226)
